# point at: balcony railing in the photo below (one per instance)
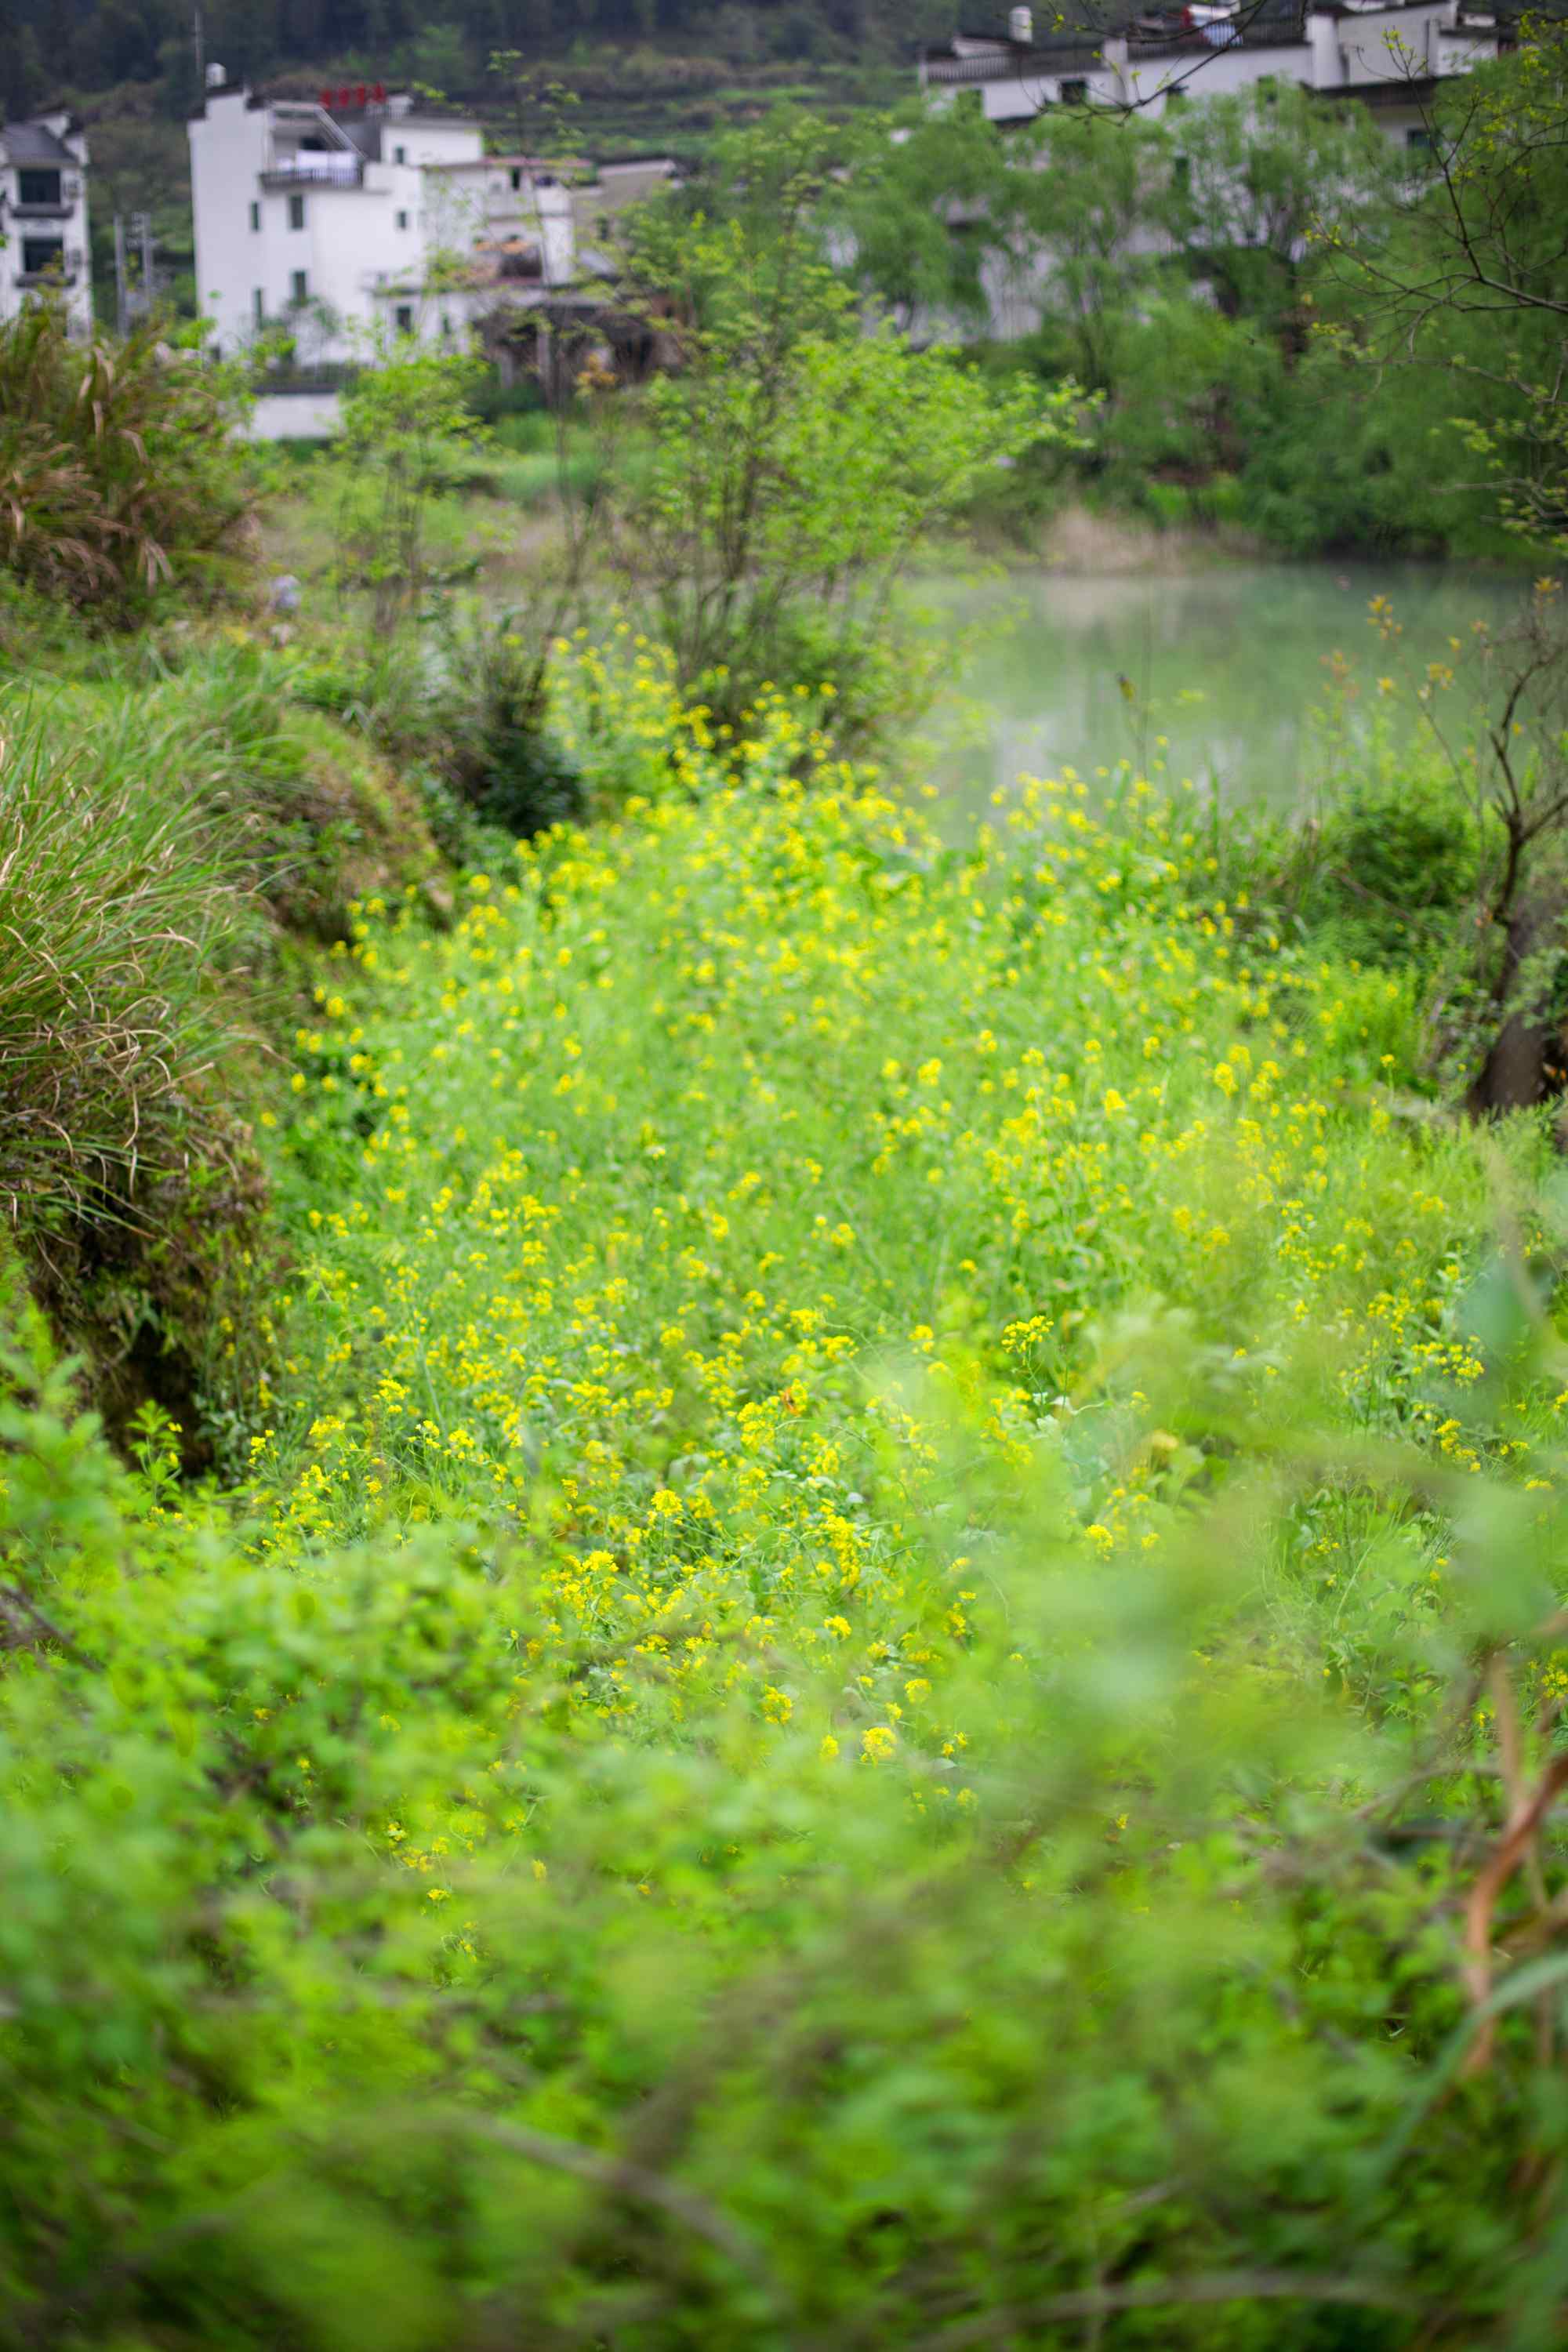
(328, 170)
(39, 280)
(42, 212)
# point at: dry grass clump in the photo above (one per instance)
(117, 472)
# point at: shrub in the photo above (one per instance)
(119, 477)
(498, 751)
(796, 461)
(1389, 866)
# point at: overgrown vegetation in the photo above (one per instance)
(855, 1632)
(842, 1701)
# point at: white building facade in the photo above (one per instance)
(43, 217)
(359, 216)
(1391, 57)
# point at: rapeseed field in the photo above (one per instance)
(885, 1467)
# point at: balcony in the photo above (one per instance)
(42, 212)
(52, 281)
(330, 169)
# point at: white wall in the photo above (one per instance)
(363, 244)
(296, 416)
(228, 154)
(70, 231)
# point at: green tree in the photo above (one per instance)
(1464, 290)
(1468, 278)
(1072, 217)
(406, 421)
(1258, 181)
(798, 459)
(912, 214)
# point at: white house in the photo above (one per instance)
(358, 216)
(1389, 56)
(43, 216)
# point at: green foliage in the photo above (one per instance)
(407, 427)
(907, 181)
(1464, 279)
(1219, 281)
(499, 751)
(1387, 870)
(1258, 179)
(171, 827)
(117, 476)
(797, 458)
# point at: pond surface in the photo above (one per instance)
(1222, 676)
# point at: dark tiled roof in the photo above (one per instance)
(34, 143)
(1049, 41)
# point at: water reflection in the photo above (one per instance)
(1229, 666)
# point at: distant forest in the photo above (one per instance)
(87, 45)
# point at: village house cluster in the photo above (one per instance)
(328, 227)
(1388, 58)
(338, 223)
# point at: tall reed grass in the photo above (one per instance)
(119, 910)
(118, 473)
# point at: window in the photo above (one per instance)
(446, 328)
(37, 187)
(516, 177)
(258, 301)
(254, 218)
(402, 220)
(400, 154)
(299, 290)
(1418, 139)
(296, 211)
(404, 318)
(43, 257)
(1075, 93)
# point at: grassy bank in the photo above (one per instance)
(179, 842)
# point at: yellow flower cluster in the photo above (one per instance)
(669, 1201)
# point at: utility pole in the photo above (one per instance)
(133, 290)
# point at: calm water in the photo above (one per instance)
(1229, 665)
